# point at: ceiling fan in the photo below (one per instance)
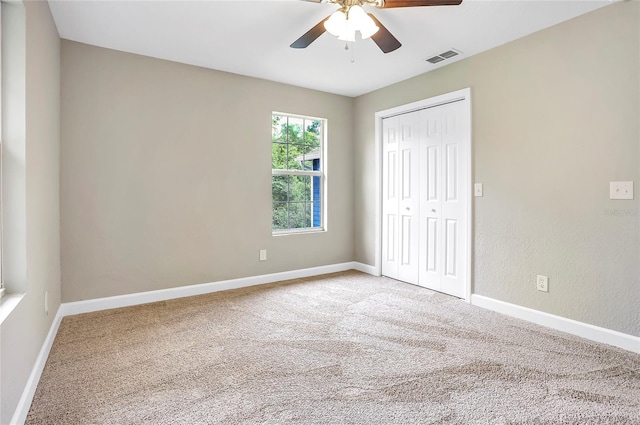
(350, 18)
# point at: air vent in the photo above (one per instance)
(443, 56)
(436, 59)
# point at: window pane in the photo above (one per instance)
(277, 122)
(280, 188)
(295, 131)
(312, 134)
(298, 218)
(279, 156)
(300, 188)
(280, 216)
(311, 158)
(295, 157)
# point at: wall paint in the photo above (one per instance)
(24, 331)
(166, 171)
(555, 118)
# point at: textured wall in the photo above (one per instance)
(166, 175)
(555, 118)
(24, 331)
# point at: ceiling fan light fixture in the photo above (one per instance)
(356, 15)
(344, 25)
(369, 29)
(362, 22)
(336, 24)
(349, 34)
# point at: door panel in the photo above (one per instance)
(390, 250)
(406, 173)
(432, 242)
(432, 180)
(389, 198)
(409, 204)
(431, 187)
(451, 172)
(450, 249)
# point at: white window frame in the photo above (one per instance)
(319, 173)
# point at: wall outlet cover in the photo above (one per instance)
(621, 190)
(542, 283)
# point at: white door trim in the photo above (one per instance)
(463, 95)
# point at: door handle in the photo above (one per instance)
(408, 209)
(432, 210)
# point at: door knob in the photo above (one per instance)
(408, 209)
(432, 210)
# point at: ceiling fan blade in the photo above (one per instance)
(414, 3)
(310, 36)
(383, 38)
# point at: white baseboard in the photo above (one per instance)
(365, 268)
(584, 330)
(118, 301)
(24, 404)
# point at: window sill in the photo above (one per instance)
(298, 232)
(8, 302)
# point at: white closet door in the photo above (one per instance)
(424, 207)
(401, 204)
(431, 175)
(455, 149)
(390, 197)
(443, 207)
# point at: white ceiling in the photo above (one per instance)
(252, 37)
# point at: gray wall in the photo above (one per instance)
(34, 218)
(166, 175)
(555, 118)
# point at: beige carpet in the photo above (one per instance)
(346, 348)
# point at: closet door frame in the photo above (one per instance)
(464, 96)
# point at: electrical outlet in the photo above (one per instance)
(621, 190)
(263, 255)
(542, 283)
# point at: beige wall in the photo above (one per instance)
(166, 175)
(555, 118)
(34, 218)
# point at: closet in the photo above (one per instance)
(424, 197)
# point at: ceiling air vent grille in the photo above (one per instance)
(443, 56)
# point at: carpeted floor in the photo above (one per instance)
(345, 348)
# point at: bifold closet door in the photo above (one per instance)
(400, 197)
(443, 200)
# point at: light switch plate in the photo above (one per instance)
(621, 190)
(477, 189)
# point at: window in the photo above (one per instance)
(297, 179)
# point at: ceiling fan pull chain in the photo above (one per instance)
(349, 48)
